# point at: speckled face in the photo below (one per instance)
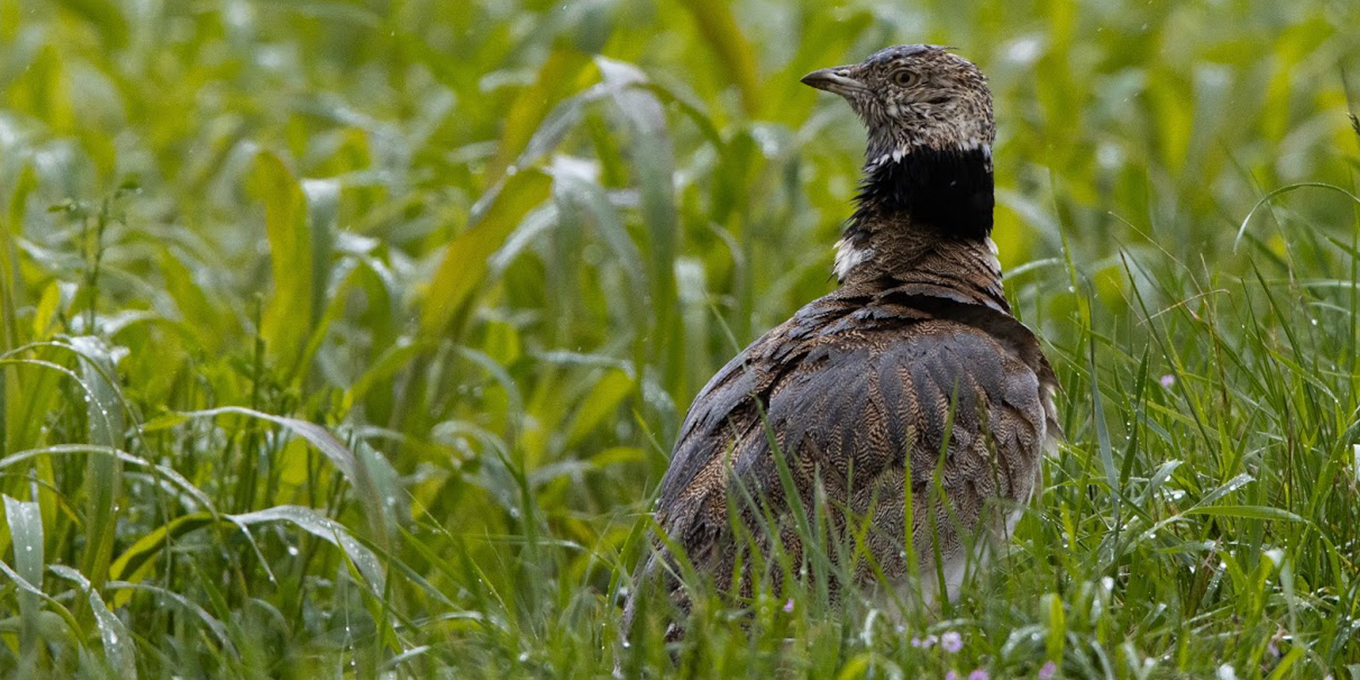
(914, 96)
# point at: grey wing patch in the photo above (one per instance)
(720, 409)
(948, 387)
(731, 404)
(977, 403)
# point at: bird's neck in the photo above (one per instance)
(924, 217)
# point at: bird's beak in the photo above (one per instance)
(836, 80)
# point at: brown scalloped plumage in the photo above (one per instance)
(914, 363)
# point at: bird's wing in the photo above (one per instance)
(937, 393)
(845, 397)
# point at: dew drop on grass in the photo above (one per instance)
(292, 550)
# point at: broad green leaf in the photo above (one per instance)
(719, 28)
(291, 308)
(602, 401)
(26, 535)
(460, 272)
(523, 119)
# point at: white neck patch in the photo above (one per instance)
(905, 149)
(992, 260)
(848, 257)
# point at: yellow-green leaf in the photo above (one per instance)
(289, 310)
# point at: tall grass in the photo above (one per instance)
(349, 339)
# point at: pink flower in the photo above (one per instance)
(1049, 670)
(951, 642)
(1168, 380)
(951, 675)
(788, 606)
(924, 642)
(978, 674)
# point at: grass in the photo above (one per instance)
(349, 339)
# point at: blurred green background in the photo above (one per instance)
(352, 337)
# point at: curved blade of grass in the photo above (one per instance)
(218, 629)
(371, 476)
(1290, 188)
(325, 529)
(130, 562)
(122, 456)
(103, 474)
(1246, 512)
(119, 651)
(71, 633)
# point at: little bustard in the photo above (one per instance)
(913, 369)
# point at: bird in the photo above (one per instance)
(913, 379)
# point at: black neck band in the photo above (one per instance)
(948, 190)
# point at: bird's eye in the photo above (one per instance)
(905, 78)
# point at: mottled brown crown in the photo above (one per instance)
(914, 96)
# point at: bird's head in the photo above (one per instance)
(914, 96)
